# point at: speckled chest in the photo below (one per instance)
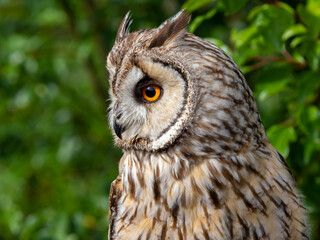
(210, 201)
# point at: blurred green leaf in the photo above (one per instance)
(272, 22)
(272, 88)
(308, 86)
(242, 38)
(51, 16)
(281, 136)
(294, 30)
(198, 20)
(192, 5)
(298, 40)
(308, 118)
(310, 18)
(232, 6)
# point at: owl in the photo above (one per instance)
(196, 163)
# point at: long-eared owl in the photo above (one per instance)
(196, 163)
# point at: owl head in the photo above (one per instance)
(169, 86)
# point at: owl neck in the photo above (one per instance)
(176, 177)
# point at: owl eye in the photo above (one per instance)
(151, 92)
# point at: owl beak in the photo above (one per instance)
(117, 128)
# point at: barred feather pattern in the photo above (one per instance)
(162, 196)
(217, 176)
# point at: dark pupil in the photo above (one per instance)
(150, 92)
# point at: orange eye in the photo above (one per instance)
(151, 92)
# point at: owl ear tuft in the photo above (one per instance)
(124, 27)
(170, 29)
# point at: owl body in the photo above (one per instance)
(197, 163)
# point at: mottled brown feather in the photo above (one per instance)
(170, 29)
(115, 193)
(124, 28)
(196, 163)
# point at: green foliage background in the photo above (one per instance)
(57, 158)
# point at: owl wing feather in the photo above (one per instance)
(115, 193)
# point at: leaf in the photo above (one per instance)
(272, 88)
(192, 5)
(274, 78)
(198, 20)
(307, 47)
(51, 16)
(314, 7)
(280, 137)
(310, 19)
(286, 7)
(308, 119)
(243, 37)
(232, 6)
(273, 23)
(298, 40)
(255, 11)
(308, 85)
(294, 30)
(310, 146)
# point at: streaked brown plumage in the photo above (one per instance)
(197, 163)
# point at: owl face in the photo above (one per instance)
(167, 84)
(152, 93)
